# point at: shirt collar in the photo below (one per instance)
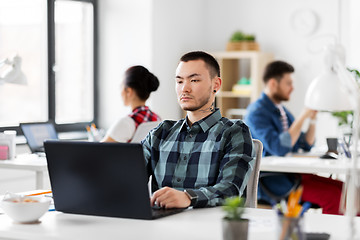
(205, 123)
(268, 103)
(140, 108)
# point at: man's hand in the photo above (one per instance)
(309, 113)
(170, 198)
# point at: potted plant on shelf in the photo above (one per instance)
(240, 41)
(233, 225)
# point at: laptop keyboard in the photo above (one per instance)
(158, 212)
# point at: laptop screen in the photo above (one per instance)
(37, 133)
(104, 179)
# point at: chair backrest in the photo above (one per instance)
(142, 130)
(252, 186)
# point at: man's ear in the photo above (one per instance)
(217, 84)
(272, 83)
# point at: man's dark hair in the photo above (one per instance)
(210, 61)
(276, 70)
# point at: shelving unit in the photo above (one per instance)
(235, 65)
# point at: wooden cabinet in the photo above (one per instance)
(236, 65)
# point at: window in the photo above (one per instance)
(56, 40)
(23, 31)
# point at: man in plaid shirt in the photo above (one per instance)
(199, 160)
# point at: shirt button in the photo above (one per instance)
(178, 180)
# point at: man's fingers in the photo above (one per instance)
(162, 199)
(171, 204)
(158, 196)
(154, 197)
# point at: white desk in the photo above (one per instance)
(295, 164)
(192, 224)
(30, 162)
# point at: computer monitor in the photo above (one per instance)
(37, 133)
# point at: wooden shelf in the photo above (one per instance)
(235, 65)
(231, 112)
(230, 94)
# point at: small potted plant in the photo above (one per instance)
(240, 41)
(233, 225)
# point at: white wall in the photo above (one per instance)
(152, 33)
(353, 23)
(124, 40)
(178, 27)
(271, 22)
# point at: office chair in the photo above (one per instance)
(296, 178)
(252, 186)
(142, 130)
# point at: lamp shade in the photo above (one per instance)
(327, 93)
(12, 72)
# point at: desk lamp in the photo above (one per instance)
(337, 90)
(10, 71)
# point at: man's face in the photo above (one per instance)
(284, 88)
(194, 86)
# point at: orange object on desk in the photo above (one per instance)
(40, 193)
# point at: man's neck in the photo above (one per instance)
(271, 97)
(194, 116)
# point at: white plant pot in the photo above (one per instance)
(235, 230)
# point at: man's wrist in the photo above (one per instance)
(192, 196)
(312, 121)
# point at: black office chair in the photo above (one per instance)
(296, 178)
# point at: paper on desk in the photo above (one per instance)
(288, 160)
(263, 224)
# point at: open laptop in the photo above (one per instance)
(104, 179)
(37, 133)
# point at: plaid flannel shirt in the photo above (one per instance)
(143, 114)
(213, 157)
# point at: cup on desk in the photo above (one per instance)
(332, 152)
(291, 228)
(7, 145)
(332, 144)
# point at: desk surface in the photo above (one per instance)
(298, 164)
(26, 162)
(191, 224)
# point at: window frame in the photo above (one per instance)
(78, 126)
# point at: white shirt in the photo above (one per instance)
(123, 130)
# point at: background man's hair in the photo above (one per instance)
(210, 61)
(276, 70)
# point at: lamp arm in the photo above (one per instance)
(13, 71)
(4, 61)
(353, 88)
(351, 84)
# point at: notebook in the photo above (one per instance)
(37, 133)
(103, 179)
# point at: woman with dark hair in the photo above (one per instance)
(136, 88)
